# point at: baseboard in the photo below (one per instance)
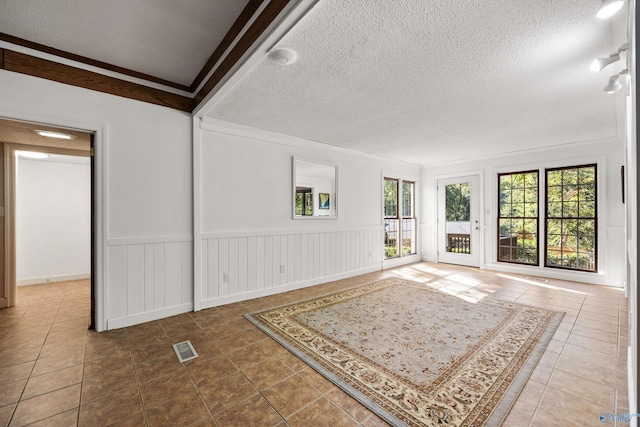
(148, 316)
(631, 385)
(553, 273)
(397, 262)
(214, 302)
(53, 279)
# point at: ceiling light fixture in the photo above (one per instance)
(614, 84)
(32, 155)
(600, 63)
(50, 134)
(283, 56)
(608, 8)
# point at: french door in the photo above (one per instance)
(459, 221)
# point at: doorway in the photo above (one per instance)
(459, 221)
(27, 138)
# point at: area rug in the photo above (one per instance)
(414, 355)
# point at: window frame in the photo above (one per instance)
(537, 217)
(412, 216)
(395, 217)
(578, 218)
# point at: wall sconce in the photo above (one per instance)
(614, 84)
(600, 63)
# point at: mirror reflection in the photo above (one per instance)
(314, 190)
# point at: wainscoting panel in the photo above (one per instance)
(250, 265)
(148, 280)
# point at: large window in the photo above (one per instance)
(518, 217)
(571, 219)
(399, 219)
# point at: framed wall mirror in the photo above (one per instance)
(315, 193)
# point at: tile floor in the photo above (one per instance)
(53, 372)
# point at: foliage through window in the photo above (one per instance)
(571, 219)
(458, 201)
(518, 217)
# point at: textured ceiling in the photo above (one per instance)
(169, 39)
(430, 82)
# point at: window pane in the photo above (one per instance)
(571, 218)
(407, 199)
(458, 201)
(390, 197)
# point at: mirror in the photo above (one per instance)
(314, 190)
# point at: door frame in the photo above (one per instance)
(99, 220)
(481, 214)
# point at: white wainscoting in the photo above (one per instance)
(148, 279)
(265, 263)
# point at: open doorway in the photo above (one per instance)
(35, 242)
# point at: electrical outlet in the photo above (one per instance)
(225, 277)
(283, 269)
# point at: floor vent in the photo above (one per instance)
(537, 279)
(185, 351)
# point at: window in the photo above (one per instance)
(571, 219)
(399, 236)
(518, 217)
(304, 201)
(390, 218)
(408, 218)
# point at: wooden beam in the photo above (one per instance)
(1, 59)
(83, 59)
(231, 35)
(256, 29)
(37, 67)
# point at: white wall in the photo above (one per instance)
(53, 220)
(144, 158)
(608, 154)
(244, 224)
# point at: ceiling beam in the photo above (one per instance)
(242, 20)
(88, 61)
(38, 67)
(259, 26)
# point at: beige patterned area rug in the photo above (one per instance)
(414, 355)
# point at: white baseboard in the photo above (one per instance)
(552, 273)
(631, 385)
(397, 262)
(53, 279)
(214, 302)
(148, 316)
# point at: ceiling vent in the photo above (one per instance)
(185, 351)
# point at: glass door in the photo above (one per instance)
(458, 221)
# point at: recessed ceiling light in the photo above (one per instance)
(50, 134)
(32, 155)
(283, 56)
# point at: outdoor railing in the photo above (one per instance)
(459, 243)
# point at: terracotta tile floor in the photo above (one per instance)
(53, 372)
